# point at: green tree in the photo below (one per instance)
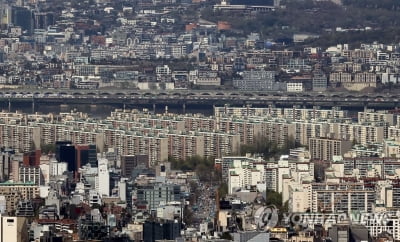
(48, 148)
(227, 236)
(203, 166)
(223, 190)
(187, 216)
(274, 198)
(268, 149)
(193, 192)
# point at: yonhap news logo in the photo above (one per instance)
(266, 217)
(329, 219)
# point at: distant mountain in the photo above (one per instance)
(392, 5)
(253, 2)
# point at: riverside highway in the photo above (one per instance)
(200, 98)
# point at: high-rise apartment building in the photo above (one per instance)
(242, 174)
(325, 149)
(103, 178)
(182, 146)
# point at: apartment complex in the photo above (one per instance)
(326, 149)
(249, 172)
(160, 136)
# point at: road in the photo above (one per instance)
(204, 206)
(196, 97)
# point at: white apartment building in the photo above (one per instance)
(360, 133)
(226, 162)
(300, 197)
(283, 172)
(13, 229)
(391, 148)
(103, 178)
(312, 113)
(243, 174)
(294, 87)
(384, 193)
(376, 117)
(307, 130)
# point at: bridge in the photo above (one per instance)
(197, 97)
